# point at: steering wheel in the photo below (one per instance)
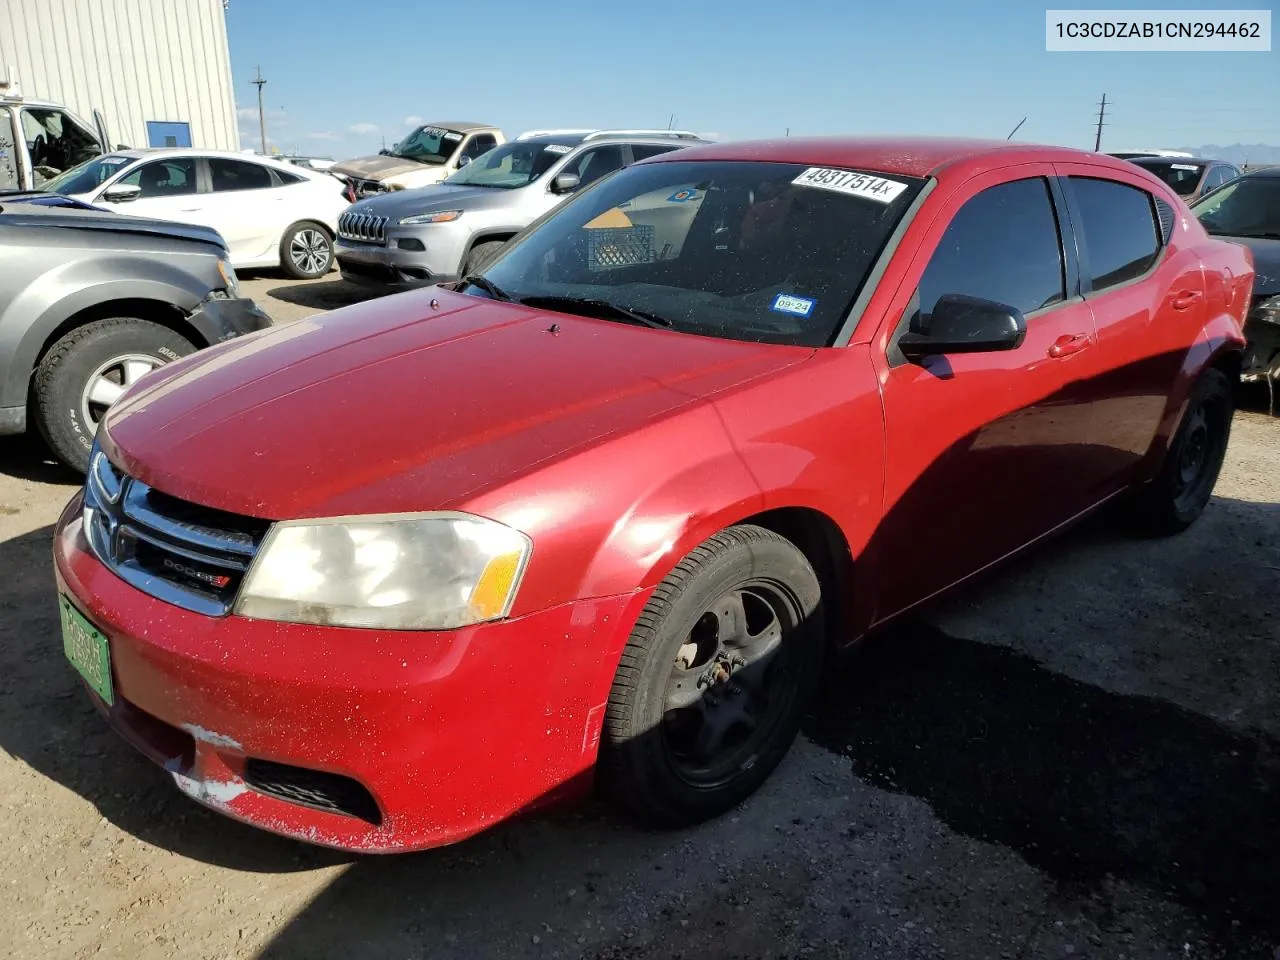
(39, 150)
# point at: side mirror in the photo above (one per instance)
(463, 161)
(961, 324)
(566, 183)
(122, 193)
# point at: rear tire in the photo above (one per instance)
(701, 712)
(481, 256)
(306, 251)
(79, 376)
(1181, 490)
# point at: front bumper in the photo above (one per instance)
(413, 256)
(441, 734)
(220, 319)
(1262, 349)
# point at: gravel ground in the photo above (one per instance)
(1077, 757)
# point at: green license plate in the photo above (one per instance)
(87, 650)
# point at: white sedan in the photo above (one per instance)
(271, 214)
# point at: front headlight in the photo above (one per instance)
(229, 279)
(445, 216)
(434, 571)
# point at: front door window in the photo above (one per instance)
(55, 142)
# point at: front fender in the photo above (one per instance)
(68, 289)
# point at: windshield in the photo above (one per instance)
(87, 177)
(1247, 207)
(433, 145)
(1183, 177)
(765, 252)
(510, 165)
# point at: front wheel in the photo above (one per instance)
(1178, 495)
(306, 251)
(86, 371)
(715, 679)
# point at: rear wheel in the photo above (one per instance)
(306, 251)
(1181, 490)
(87, 370)
(715, 679)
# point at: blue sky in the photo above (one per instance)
(341, 74)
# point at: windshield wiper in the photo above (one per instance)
(590, 306)
(492, 289)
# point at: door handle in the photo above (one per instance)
(1186, 299)
(1068, 344)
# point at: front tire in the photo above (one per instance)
(481, 256)
(306, 251)
(715, 679)
(1181, 490)
(87, 370)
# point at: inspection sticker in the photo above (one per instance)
(683, 196)
(556, 148)
(796, 306)
(856, 184)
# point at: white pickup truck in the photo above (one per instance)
(39, 139)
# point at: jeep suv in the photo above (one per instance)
(91, 301)
(438, 233)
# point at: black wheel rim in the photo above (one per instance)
(731, 684)
(1201, 447)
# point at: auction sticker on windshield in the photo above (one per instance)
(855, 184)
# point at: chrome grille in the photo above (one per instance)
(363, 227)
(191, 556)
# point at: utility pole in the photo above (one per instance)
(262, 114)
(1102, 112)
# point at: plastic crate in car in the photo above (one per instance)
(609, 247)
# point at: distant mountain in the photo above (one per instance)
(1254, 154)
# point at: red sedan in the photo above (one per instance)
(604, 511)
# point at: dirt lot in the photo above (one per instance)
(1079, 757)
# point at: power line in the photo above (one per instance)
(1102, 112)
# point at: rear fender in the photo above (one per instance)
(1217, 341)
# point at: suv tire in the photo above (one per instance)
(109, 353)
(481, 255)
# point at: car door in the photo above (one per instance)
(249, 207)
(10, 168)
(1146, 288)
(588, 166)
(168, 191)
(984, 450)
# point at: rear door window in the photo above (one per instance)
(1119, 229)
(238, 175)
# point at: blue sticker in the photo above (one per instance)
(796, 306)
(683, 196)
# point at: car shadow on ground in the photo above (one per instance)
(329, 294)
(27, 458)
(1086, 784)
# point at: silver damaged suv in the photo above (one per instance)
(439, 233)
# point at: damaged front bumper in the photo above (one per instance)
(225, 318)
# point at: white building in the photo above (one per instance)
(158, 70)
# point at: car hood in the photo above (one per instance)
(379, 167)
(395, 406)
(1266, 261)
(441, 196)
(87, 217)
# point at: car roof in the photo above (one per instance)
(1263, 172)
(461, 126)
(905, 156)
(161, 153)
(1200, 161)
